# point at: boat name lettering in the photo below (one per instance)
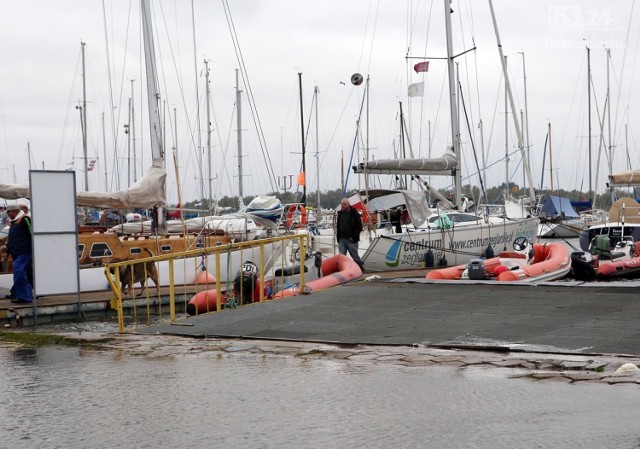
(422, 245)
(481, 242)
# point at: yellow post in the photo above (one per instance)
(172, 293)
(218, 292)
(261, 271)
(302, 248)
(116, 303)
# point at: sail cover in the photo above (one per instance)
(556, 206)
(625, 178)
(146, 193)
(625, 210)
(384, 200)
(421, 166)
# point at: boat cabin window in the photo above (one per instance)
(456, 218)
(134, 251)
(99, 250)
(462, 218)
(80, 250)
(165, 248)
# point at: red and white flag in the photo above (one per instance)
(421, 67)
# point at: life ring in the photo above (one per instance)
(292, 211)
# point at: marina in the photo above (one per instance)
(223, 252)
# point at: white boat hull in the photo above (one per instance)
(458, 245)
(184, 270)
(565, 229)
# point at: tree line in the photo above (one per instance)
(495, 195)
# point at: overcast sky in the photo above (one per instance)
(327, 41)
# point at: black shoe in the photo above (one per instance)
(10, 296)
(21, 301)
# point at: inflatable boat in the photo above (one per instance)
(543, 262)
(605, 263)
(336, 270)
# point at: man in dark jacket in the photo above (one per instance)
(348, 228)
(19, 247)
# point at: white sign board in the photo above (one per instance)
(55, 238)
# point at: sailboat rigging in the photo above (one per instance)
(444, 236)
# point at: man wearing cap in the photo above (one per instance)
(20, 248)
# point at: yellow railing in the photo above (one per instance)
(114, 273)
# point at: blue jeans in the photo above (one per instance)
(23, 289)
(345, 245)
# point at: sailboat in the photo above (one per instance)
(445, 235)
(623, 221)
(97, 248)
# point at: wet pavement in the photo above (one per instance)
(537, 318)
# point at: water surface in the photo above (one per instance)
(58, 397)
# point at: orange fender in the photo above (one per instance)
(336, 270)
(204, 277)
(205, 301)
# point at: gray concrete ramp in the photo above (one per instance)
(602, 319)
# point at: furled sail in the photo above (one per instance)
(148, 192)
(420, 166)
(625, 178)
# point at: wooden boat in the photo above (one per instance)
(336, 270)
(544, 262)
(99, 248)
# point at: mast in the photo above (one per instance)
(526, 110)
(550, 158)
(207, 94)
(239, 132)
(29, 153)
(484, 152)
(589, 121)
(104, 153)
(153, 99)
(403, 148)
(506, 136)
(366, 176)
(532, 193)
(609, 114)
(133, 134)
(316, 91)
(304, 162)
(127, 126)
(455, 133)
(83, 114)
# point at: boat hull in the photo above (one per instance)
(622, 269)
(457, 245)
(185, 271)
(566, 229)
